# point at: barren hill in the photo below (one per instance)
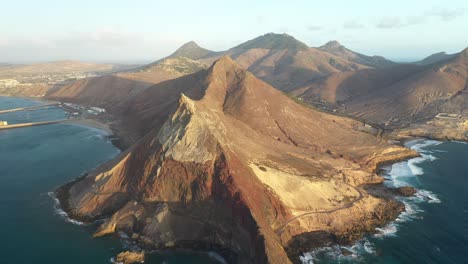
(278, 59)
(284, 62)
(436, 57)
(334, 47)
(227, 162)
(396, 96)
(192, 51)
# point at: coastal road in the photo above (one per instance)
(279, 230)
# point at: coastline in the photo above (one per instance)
(387, 189)
(388, 213)
(110, 131)
(380, 162)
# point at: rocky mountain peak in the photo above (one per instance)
(331, 45)
(273, 41)
(191, 50)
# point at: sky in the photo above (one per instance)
(137, 31)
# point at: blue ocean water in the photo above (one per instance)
(434, 228)
(34, 161)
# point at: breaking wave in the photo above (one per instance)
(397, 175)
(60, 212)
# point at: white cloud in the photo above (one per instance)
(314, 28)
(352, 24)
(446, 14)
(398, 21)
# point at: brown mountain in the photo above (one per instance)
(436, 57)
(399, 95)
(278, 59)
(108, 90)
(227, 162)
(334, 47)
(284, 62)
(192, 51)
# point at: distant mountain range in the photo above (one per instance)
(330, 74)
(399, 95)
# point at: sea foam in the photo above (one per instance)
(397, 175)
(59, 211)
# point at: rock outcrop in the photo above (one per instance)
(130, 257)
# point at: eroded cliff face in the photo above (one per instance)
(236, 166)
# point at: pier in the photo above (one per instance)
(5, 125)
(12, 126)
(27, 108)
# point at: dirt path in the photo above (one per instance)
(279, 230)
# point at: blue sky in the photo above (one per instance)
(144, 30)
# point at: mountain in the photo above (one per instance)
(436, 57)
(273, 41)
(226, 162)
(279, 59)
(192, 51)
(284, 62)
(398, 96)
(334, 47)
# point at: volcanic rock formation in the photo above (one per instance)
(226, 162)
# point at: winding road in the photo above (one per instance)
(279, 230)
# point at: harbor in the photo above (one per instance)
(74, 113)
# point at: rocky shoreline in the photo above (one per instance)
(305, 242)
(385, 214)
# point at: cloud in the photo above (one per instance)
(3, 41)
(352, 24)
(314, 28)
(446, 14)
(398, 22)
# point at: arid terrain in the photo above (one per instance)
(431, 97)
(259, 152)
(35, 80)
(231, 151)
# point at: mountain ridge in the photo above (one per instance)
(337, 49)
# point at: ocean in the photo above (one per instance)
(34, 161)
(434, 228)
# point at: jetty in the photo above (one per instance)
(5, 125)
(28, 108)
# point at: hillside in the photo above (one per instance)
(436, 57)
(398, 96)
(228, 163)
(192, 51)
(284, 62)
(334, 47)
